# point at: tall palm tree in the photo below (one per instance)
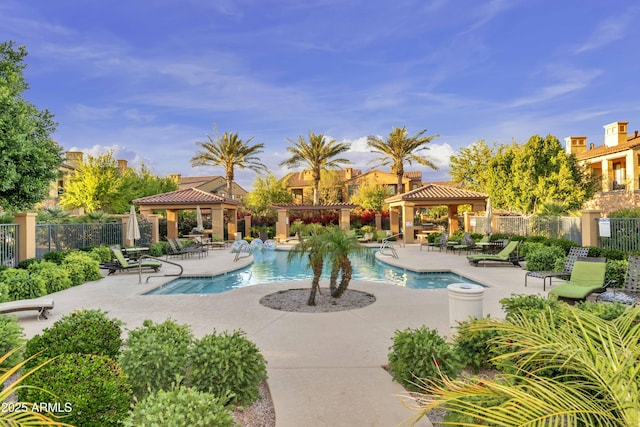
(338, 246)
(317, 154)
(400, 148)
(230, 152)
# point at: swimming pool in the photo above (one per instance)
(272, 266)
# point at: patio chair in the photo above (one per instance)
(195, 248)
(209, 243)
(508, 254)
(122, 264)
(466, 244)
(587, 277)
(630, 293)
(440, 243)
(574, 253)
(42, 306)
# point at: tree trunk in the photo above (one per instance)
(347, 271)
(316, 266)
(333, 279)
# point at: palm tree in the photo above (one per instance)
(229, 151)
(312, 245)
(594, 380)
(338, 246)
(317, 154)
(400, 148)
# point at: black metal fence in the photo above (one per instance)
(9, 244)
(619, 233)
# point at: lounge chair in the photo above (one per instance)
(630, 293)
(574, 253)
(42, 306)
(508, 254)
(194, 249)
(209, 243)
(440, 243)
(122, 264)
(587, 277)
(466, 244)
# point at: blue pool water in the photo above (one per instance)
(272, 266)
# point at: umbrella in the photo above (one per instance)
(199, 225)
(133, 230)
(488, 214)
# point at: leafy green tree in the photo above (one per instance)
(94, 185)
(329, 188)
(317, 154)
(400, 148)
(371, 196)
(266, 192)
(468, 167)
(29, 159)
(541, 172)
(230, 152)
(141, 182)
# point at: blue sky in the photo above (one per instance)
(150, 78)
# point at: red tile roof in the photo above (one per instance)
(631, 143)
(295, 207)
(190, 195)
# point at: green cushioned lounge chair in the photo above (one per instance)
(121, 263)
(508, 254)
(587, 277)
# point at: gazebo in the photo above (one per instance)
(405, 206)
(282, 226)
(190, 199)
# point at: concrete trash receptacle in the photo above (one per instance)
(465, 300)
(238, 235)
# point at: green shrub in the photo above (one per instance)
(613, 254)
(182, 407)
(76, 273)
(595, 252)
(90, 266)
(608, 311)
(4, 288)
(565, 244)
(616, 270)
(20, 284)
(11, 337)
(83, 331)
(536, 239)
(155, 356)
(56, 256)
(529, 305)
(528, 247)
(421, 354)
(159, 249)
(499, 236)
(546, 258)
(25, 263)
(56, 278)
(473, 345)
(227, 365)
(90, 390)
(103, 253)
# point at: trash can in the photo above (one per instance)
(465, 300)
(238, 235)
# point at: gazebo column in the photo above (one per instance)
(247, 225)
(345, 219)
(172, 223)
(217, 221)
(394, 219)
(407, 217)
(232, 225)
(282, 225)
(453, 219)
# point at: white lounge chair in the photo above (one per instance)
(42, 306)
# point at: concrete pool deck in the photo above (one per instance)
(325, 369)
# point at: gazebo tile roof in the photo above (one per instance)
(298, 207)
(190, 195)
(437, 192)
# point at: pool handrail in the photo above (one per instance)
(385, 246)
(157, 275)
(239, 250)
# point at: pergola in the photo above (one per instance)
(282, 226)
(190, 199)
(405, 206)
